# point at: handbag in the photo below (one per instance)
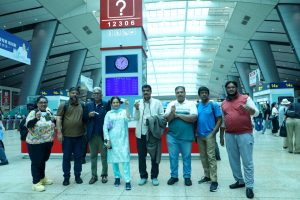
(282, 130)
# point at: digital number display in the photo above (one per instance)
(122, 86)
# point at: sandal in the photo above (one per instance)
(104, 179)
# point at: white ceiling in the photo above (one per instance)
(190, 43)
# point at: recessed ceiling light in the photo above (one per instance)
(4, 26)
(20, 22)
(66, 41)
(35, 19)
(273, 29)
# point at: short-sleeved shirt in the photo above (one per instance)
(72, 123)
(206, 118)
(179, 128)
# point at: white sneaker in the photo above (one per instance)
(38, 187)
(155, 182)
(142, 181)
(46, 181)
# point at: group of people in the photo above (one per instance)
(286, 115)
(107, 130)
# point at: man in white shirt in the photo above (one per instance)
(144, 108)
(181, 115)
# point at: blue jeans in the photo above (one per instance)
(72, 145)
(176, 146)
(240, 146)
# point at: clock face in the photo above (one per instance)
(121, 63)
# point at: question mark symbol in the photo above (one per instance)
(123, 7)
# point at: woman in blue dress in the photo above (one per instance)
(115, 131)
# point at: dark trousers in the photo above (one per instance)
(275, 125)
(39, 154)
(72, 145)
(2, 152)
(84, 147)
(142, 153)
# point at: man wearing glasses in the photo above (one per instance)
(94, 114)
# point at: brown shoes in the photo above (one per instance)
(93, 180)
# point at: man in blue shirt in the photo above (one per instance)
(94, 113)
(208, 124)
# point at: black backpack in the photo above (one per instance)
(23, 129)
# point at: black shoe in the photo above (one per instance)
(236, 185)
(78, 180)
(213, 186)
(187, 182)
(204, 179)
(93, 180)
(66, 182)
(4, 163)
(249, 193)
(104, 179)
(128, 186)
(172, 180)
(117, 182)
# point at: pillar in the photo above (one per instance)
(76, 63)
(96, 76)
(290, 17)
(41, 43)
(244, 70)
(265, 60)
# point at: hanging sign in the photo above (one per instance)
(120, 13)
(14, 47)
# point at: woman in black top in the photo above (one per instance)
(267, 113)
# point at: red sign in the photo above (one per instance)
(5, 100)
(120, 13)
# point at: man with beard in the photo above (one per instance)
(239, 140)
(70, 128)
(181, 115)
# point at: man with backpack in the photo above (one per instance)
(208, 124)
(70, 132)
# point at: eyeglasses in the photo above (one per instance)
(42, 102)
(96, 93)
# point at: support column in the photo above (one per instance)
(244, 70)
(265, 60)
(289, 14)
(42, 39)
(76, 63)
(96, 76)
(236, 79)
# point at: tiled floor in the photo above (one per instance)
(277, 176)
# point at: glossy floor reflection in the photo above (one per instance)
(277, 176)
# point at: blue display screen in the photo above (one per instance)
(122, 86)
(110, 64)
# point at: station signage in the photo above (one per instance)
(14, 47)
(120, 14)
